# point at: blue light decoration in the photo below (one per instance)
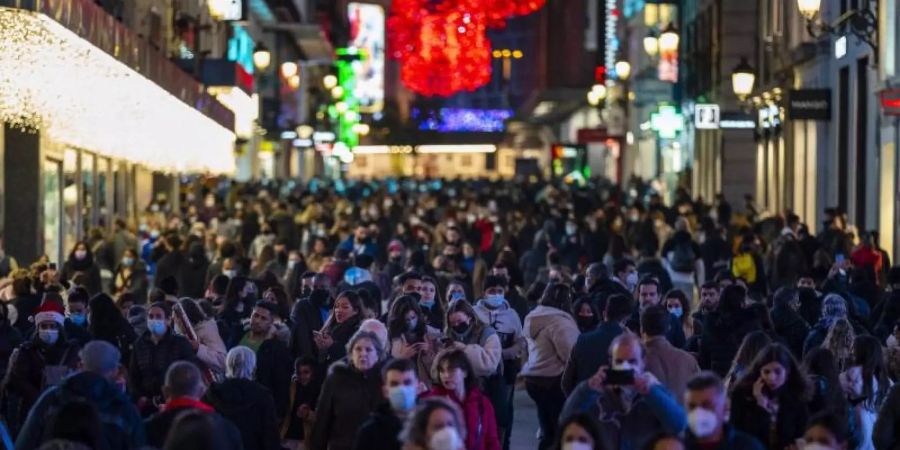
(464, 120)
(240, 48)
(632, 7)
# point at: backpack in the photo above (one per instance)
(682, 257)
(743, 266)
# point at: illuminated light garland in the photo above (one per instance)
(443, 45)
(78, 95)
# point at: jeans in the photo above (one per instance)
(548, 396)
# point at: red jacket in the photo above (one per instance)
(481, 424)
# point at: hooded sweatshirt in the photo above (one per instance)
(505, 321)
(551, 334)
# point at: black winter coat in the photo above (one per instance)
(150, 361)
(248, 405)
(348, 397)
(306, 318)
(158, 425)
(749, 417)
(381, 431)
(721, 339)
(25, 379)
(273, 370)
(791, 327)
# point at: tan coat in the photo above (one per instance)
(673, 367)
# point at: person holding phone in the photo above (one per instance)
(769, 400)
(410, 335)
(641, 405)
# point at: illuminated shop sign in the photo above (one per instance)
(367, 37)
(463, 120)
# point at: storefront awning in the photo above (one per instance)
(56, 81)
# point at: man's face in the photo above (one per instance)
(321, 282)
(394, 378)
(305, 374)
(362, 233)
(709, 298)
(411, 286)
(628, 354)
(806, 282)
(648, 295)
(710, 399)
(77, 308)
(623, 275)
(260, 321)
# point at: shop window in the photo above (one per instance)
(71, 216)
(466, 161)
(103, 192)
(52, 208)
(88, 184)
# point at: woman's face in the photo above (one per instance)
(576, 433)
(80, 248)
(822, 436)
(774, 375)
(364, 354)
(439, 419)
(428, 291)
(585, 311)
(458, 318)
(452, 378)
(319, 246)
(455, 289)
(343, 310)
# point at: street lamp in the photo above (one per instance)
(294, 81)
(668, 39)
(289, 69)
(596, 95)
(262, 57)
(742, 79)
(623, 69)
(329, 81)
(337, 92)
(651, 44)
(809, 8)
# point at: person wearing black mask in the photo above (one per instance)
(81, 260)
(586, 315)
(309, 314)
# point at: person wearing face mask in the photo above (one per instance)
(191, 277)
(130, 275)
(309, 315)
(769, 401)
(551, 334)
(585, 359)
(152, 354)
(827, 431)
(81, 260)
(352, 391)
(643, 407)
(600, 286)
(464, 331)
(494, 310)
(586, 315)
(39, 363)
(676, 302)
(648, 294)
(411, 337)
(789, 325)
(400, 388)
(75, 326)
(579, 432)
(708, 429)
(436, 424)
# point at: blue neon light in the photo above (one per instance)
(464, 120)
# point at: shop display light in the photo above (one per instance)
(329, 81)
(54, 81)
(294, 82)
(809, 8)
(651, 45)
(262, 57)
(623, 69)
(217, 8)
(337, 92)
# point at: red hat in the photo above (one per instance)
(395, 245)
(49, 311)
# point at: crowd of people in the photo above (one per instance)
(405, 315)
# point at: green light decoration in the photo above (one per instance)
(667, 122)
(349, 117)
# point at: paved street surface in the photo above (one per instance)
(524, 435)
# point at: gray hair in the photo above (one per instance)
(372, 337)
(240, 363)
(99, 357)
(377, 328)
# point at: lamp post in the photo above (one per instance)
(596, 95)
(862, 21)
(651, 44)
(742, 79)
(623, 69)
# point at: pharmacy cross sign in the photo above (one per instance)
(667, 122)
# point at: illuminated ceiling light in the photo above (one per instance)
(305, 131)
(262, 57)
(337, 92)
(600, 90)
(742, 79)
(497, 54)
(668, 40)
(809, 8)
(651, 45)
(289, 69)
(507, 53)
(593, 98)
(623, 69)
(517, 54)
(341, 107)
(244, 107)
(482, 148)
(329, 81)
(294, 82)
(79, 96)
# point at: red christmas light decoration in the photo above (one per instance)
(443, 45)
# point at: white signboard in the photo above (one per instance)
(706, 117)
(367, 36)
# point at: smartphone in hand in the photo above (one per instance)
(619, 377)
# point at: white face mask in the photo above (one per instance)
(631, 280)
(815, 446)
(445, 439)
(892, 342)
(624, 366)
(575, 445)
(702, 422)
